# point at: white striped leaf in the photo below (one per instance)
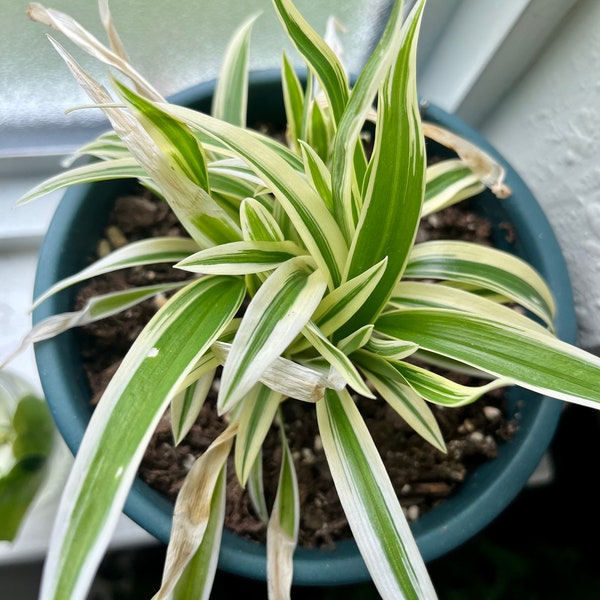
(317, 173)
(391, 384)
(337, 359)
(187, 404)
(489, 268)
(293, 99)
(282, 530)
(398, 134)
(258, 223)
(317, 54)
(143, 252)
(241, 258)
(256, 491)
(314, 223)
(122, 424)
(441, 390)
(230, 100)
(198, 576)
(258, 410)
(356, 340)
(418, 294)
(276, 314)
(119, 168)
(389, 347)
(532, 359)
(448, 182)
(348, 164)
(370, 503)
(191, 518)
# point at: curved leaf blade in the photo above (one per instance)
(370, 504)
(122, 424)
(532, 359)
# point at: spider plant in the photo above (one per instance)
(308, 286)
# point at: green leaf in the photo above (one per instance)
(258, 410)
(123, 422)
(198, 576)
(314, 223)
(317, 173)
(282, 530)
(448, 182)
(241, 258)
(391, 384)
(532, 359)
(337, 359)
(318, 55)
(182, 175)
(26, 441)
(144, 252)
(256, 491)
(230, 100)
(488, 268)
(119, 168)
(186, 405)
(348, 160)
(258, 223)
(293, 99)
(369, 501)
(397, 171)
(276, 314)
(201, 492)
(443, 391)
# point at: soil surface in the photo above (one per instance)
(422, 476)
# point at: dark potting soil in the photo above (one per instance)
(422, 476)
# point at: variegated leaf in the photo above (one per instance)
(448, 182)
(144, 252)
(391, 384)
(531, 358)
(398, 135)
(370, 503)
(489, 268)
(230, 100)
(282, 530)
(122, 424)
(192, 512)
(258, 410)
(276, 314)
(241, 258)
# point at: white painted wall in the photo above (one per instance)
(548, 127)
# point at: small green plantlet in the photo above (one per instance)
(336, 299)
(26, 440)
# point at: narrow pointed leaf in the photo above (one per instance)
(191, 516)
(293, 98)
(120, 168)
(230, 100)
(370, 503)
(441, 390)
(282, 530)
(337, 359)
(256, 417)
(356, 340)
(489, 268)
(317, 54)
(186, 405)
(316, 226)
(394, 388)
(317, 173)
(348, 160)
(532, 359)
(241, 258)
(276, 314)
(122, 424)
(258, 223)
(447, 183)
(144, 252)
(397, 171)
(256, 491)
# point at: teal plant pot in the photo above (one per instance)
(71, 237)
